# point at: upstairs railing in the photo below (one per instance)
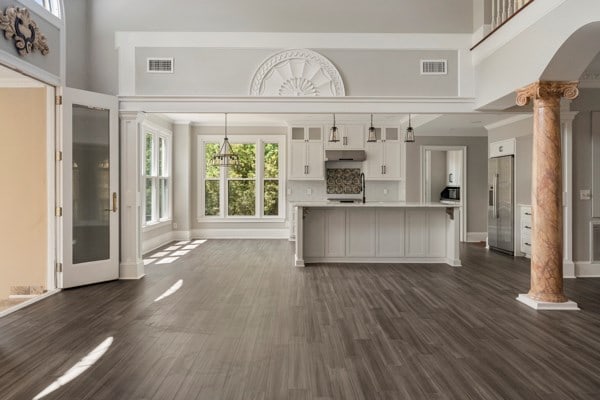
(502, 12)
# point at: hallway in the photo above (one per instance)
(240, 323)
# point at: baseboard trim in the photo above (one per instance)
(233, 233)
(587, 269)
(156, 242)
(476, 237)
(182, 235)
(131, 271)
(28, 302)
(569, 270)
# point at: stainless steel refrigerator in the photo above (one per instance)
(501, 204)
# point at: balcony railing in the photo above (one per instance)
(502, 12)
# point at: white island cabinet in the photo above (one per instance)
(387, 232)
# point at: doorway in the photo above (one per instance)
(443, 167)
(27, 233)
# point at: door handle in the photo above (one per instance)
(345, 140)
(114, 208)
(496, 198)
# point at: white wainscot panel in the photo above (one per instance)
(359, 222)
(335, 225)
(417, 234)
(390, 232)
(437, 234)
(314, 233)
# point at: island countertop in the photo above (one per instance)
(393, 204)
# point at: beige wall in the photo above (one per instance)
(23, 222)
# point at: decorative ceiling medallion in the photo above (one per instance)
(18, 25)
(297, 72)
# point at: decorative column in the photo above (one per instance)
(546, 290)
(132, 266)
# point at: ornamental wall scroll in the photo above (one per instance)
(17, 25)
(297, 72)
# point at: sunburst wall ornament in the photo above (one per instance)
(17, 24)
(297, 73)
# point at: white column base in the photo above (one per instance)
(131, 271)
(544, 305)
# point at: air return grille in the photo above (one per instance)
(160, 65)
(434, 67)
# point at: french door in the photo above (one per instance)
(90, 182)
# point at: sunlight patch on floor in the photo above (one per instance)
(176, 286)
(78, 369)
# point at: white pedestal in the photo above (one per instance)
(544, 305)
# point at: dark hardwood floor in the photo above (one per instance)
(245, 324)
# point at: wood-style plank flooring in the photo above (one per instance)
(245, 324)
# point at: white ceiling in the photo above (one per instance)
(472, 124)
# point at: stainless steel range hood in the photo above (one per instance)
(345, 155)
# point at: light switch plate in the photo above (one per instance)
(585, 194)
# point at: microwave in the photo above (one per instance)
(450, 193)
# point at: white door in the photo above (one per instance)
(90, 172)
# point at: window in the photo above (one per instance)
(51, 5)
(251, 190)
(156, 175)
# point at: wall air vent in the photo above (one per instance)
(434, 67)
(159, 65)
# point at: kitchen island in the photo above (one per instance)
(376, 232)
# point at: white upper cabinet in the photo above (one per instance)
(453, 168)
(351, 137)
(306, 153)
(384, 156)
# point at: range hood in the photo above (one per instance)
(345, 155)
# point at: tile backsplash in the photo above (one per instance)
(317, 191)
(343, 181)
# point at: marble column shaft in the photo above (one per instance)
(546, 196)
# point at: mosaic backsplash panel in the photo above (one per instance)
(343, 181)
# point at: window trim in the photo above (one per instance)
(259, 141)
(43, 12)
(157, 132)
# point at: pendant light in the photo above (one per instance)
(372, 136)
(226, 157)
(333, 132)
(410, 133)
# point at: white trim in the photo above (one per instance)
(23, 82)
(131, 271)
(476, 237)
(481, 32)
(544, 305)
(382, 260)
(156, 225)
(275, 40)
(182, 235)
(508, 121)
(22, 66)
(587, 269)
(235, 233)
(154, 243)
(28, 302)
(46, 14)
(51, 179)
(295, 105)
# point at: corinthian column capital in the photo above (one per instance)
(547, 90)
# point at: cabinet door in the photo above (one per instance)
(335, 231)
(314, 233)
(314, 160)
(298, 159)
(391, 156)
(417, 228)
(354, 137)
(374, 163)
(390, 232)
(359, 221)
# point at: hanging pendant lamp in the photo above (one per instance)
(372, 137)
(409, 137)
(333, 132)
(226, 157)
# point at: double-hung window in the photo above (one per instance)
(156, 174)
(251, 190)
